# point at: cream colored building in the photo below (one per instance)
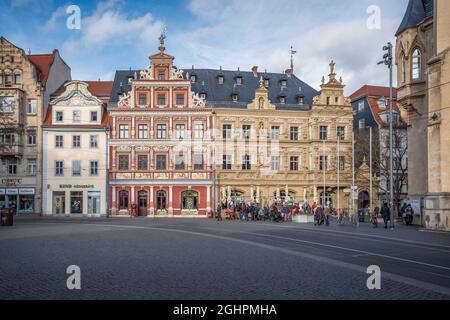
(75, 153)
(422, 58)
(284, 143)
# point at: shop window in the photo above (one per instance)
(161, 200)
(76, 202)
(189, 200)
(94, 202)
(123, 200)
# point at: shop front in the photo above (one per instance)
(23, 199)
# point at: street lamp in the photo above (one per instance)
(388, 60)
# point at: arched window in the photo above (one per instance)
(161, 200)
(123, 200)
(327, 197)
(403, 67)
(416, 64)
(189, 200)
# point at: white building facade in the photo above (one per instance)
(75, 156)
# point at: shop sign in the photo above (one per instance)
(77, 186)
(12, 192)
(2, 192)
(29, 191)
(11, 182)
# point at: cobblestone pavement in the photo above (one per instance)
(205, 259)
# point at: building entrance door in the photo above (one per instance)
(142, 201)
(59, 203)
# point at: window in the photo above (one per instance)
(123, 162)
(382, 103)
(301, 100)
(226, 131)
(198, 131)
(59, 168)
(161, 162)
(93, 142)
(161, 100)
(341, 133)
(161, 200)
(8, 139)
(32, 139)
(193, 78)
(180, 163)
(323, 163)
(94, 116)
(294, 163)
(76, 202)
(362, 123)
(403, 67)
(246, 165)
(7, 104)
(294, 133)
(161, 75)
(123, 200)
(59, 116)
(323, 133)
(76, 116)
(76, 168)
(220, 79)
(31, 167)
(266, 83)
(76, 141)
(283, 83)
(238, 81)
(341, 163)
(226, 162)
(189, 200)
(361, 106)
(180, 99)
(235, 97)
(161, 131)
(198, 161)
(17, 79)
(31, 106)
(416, 64)
(203, 96)
(59, 141)
(246, 131)
(180, 132)
(142, 99)
(8, 79)
(328, 100)
(12, 167)
(93, 168)
(123, 131)
(275, 163)
(275, 133)
(142, 131)
(142, 162)
(282, 100)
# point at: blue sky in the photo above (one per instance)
(119, 34)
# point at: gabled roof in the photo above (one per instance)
(43, 63)
(100, 89)
(221, 95)
(417, 12)
(372, 91)
(377, 111)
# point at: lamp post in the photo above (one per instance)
(388, 60)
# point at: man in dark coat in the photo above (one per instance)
(386, 214)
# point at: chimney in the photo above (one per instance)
(288, 72)
(255, 71)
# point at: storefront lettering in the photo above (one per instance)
(11, 182)
(77, 186)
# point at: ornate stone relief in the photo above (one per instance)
(195, 101)
(147, 74)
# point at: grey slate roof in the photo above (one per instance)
(417, 12)
(220, 95)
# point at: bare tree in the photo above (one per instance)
(380, 158)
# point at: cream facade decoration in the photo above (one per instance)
(25, 83)
(266, 152)
(422, 58)
(75, 154)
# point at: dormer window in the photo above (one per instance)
(266, 83)
(301, 100)
(193, 78)
(235, 97)
(203, 96)
(239, 80)
(283, 83)
(220, 79)
(282, 100)
(382, 103)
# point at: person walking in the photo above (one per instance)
(386, 214)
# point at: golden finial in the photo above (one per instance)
(261, 82)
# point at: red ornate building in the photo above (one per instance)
(160, 143)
